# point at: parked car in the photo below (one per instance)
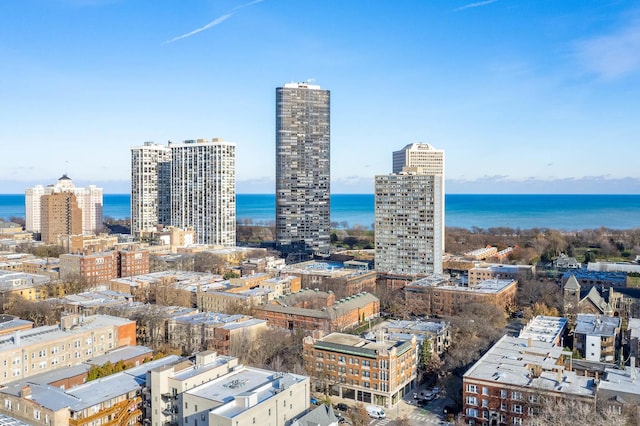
(314, 401)
(341, 406)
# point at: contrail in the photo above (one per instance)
(476, 4)
(213, 23)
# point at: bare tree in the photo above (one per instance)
(573, 412)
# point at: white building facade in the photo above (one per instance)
(150, 186)
(409, 213)
(203, 189)
(90, 201)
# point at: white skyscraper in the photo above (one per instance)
(203, 189)
(89, 201)
(409, 212)
(150, 186)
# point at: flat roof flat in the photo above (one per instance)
(509, 362)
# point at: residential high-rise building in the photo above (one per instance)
(88, 200)
(302, 168)
(203, 189)
(60, 217)
(409, 213)
(150, 187)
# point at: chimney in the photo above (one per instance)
(25, 392)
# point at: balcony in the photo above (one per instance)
(168, 411)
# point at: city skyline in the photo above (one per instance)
(525, 97)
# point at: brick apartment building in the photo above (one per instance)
(440, 297)
(375, 372)
(315, 310)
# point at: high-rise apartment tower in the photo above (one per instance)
(150, 186)
(203, 189)
(409, 212)
(87, 199)
(303, 190)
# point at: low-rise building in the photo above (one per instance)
(437, 331)
(212, 389)
(441, 297)
(333, 277)
(375, 372)
(115, 399)
(496, 271)
(508, 383)
(10, 324)
(596, 337)
(30, 287)
(95, 268)
(481, 253)
(601, 279)
(545, 329)
(315, 310)
(27, 352)
(89, 243)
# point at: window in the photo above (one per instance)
(517, 409)
(516, 395)
(516, 421)
(472, 412)
(485, 390)
(472, 400)
(503, 393)
(472, 388)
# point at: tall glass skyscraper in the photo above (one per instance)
(303, 221)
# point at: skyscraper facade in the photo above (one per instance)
(60, 217)
(88, 200)
(203, 189)
(409, 213)
(303, 221)
(150, 186)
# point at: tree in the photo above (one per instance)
(358, 416)
(429, 361)
(573, 412)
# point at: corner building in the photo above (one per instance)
(303, 168)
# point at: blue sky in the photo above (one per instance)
(524, 96)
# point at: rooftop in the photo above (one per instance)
(350, 344)
(25, 338)
(544, 328)
(490, 286)
(597, 325)
(231, 390)
(510, 362)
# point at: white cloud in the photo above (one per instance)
(213, 23)
(474, 5)
(613, 55)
